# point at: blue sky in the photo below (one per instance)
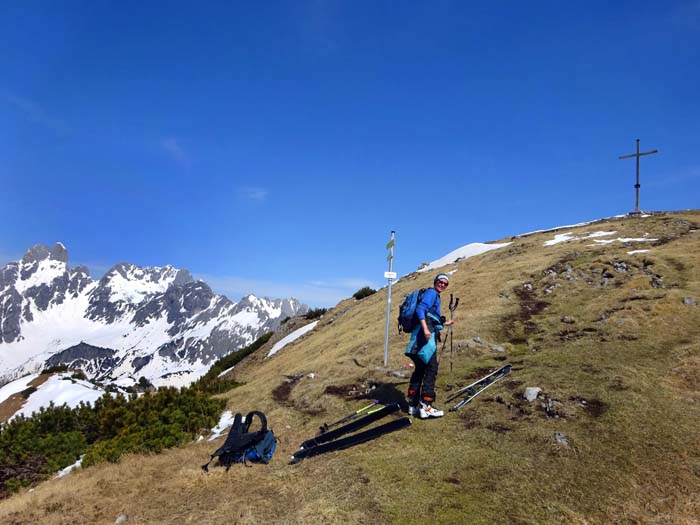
(271, 147)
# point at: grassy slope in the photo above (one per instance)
(617, 358)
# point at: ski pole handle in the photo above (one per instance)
(453, 307)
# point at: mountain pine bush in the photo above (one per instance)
(364, 292)
(315, 313)
(212, 383)
(33, 448)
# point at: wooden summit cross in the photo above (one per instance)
(637, 186)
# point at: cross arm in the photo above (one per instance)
(639, 154)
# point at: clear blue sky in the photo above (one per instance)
(271, 147)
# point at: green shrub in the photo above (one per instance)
(145, 384)
(212, 383)
(27, 392)
(150, 423)
(79, 374)
(364, 292)
(33, 448)
(315, 313)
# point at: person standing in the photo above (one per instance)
(422, 349)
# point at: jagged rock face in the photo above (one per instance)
(93, 360)
(10, 313)
(40, 280)
(157, 321)
(126, 286)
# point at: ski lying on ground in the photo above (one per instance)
(469, 392)
(350, 427)
(364, 410)
(352, 440)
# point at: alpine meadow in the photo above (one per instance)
(596, 423)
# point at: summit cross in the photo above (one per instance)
(637, 185)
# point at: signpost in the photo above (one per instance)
(391, 275)
(637, 185)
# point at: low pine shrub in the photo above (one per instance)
(364, 292)
(315, 313)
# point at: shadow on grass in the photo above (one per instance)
(385, 393)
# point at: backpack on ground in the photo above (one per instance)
(407, 310)
(241, 445)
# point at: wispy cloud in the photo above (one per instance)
(313, 293)
(253, 194)
(32, 110)
(171, 146)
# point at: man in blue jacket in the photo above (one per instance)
(422, 349)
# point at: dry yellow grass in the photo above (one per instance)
(606, 335)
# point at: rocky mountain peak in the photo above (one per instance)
(165, 275)
(40, 252)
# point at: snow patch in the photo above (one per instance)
(60, 389)
(623, 239)
(139, 283)
(469, 250)
(225, 421)
(47, 270)
(566, 237)
(16, 386)
(226, 371)
(70, 468)
(247, 318)
(296, 334)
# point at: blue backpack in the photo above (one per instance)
(407, 310)
(241, 445)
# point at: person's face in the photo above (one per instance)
(441, 285)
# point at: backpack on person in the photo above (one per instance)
(241, 445)
(407, 310)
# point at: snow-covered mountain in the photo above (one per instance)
(154, 322)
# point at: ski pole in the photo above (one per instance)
(453, 307)
(449, 331)
(324, 428)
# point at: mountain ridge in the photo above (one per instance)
(158, 322)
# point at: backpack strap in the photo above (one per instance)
(420, 298)
(234, 435)
(249, 420)
(240, 439)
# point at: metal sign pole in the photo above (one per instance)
(391, 275)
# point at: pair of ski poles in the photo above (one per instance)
(454, 302)
(369, 409)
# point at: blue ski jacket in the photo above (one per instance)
(428, 309)
(430, 302)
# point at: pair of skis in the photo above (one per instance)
(330, 440)
(469, 392)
